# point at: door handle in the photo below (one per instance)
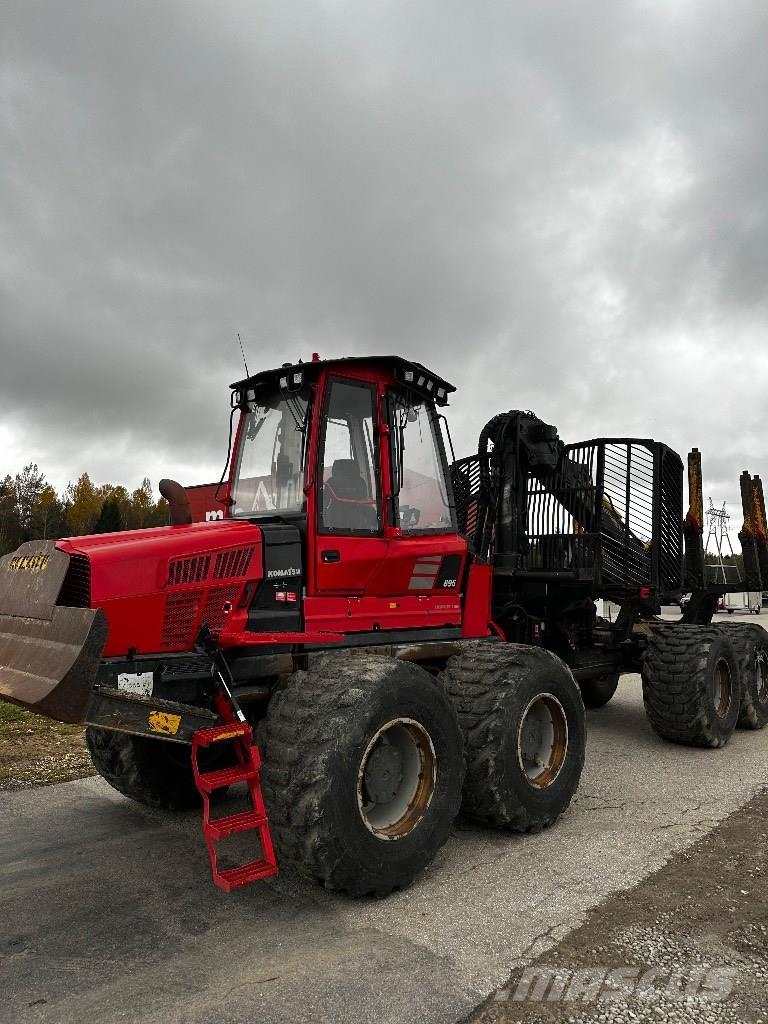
(331, 556)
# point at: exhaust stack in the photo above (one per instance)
(178, 499)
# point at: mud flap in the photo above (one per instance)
(49, 655)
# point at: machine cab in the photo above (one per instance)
(350, 454)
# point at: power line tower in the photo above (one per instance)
(719, 532)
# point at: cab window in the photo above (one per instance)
(269, 474)
(422, 503)
(350, 502)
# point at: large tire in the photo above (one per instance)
(751, 646)
(692, 684)
(597, 692)
(155, 772)
(363, 766)
(506, 696)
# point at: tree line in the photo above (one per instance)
(30, 508)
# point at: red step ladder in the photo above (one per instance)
(240, 736)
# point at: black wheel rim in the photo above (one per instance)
(723, 688)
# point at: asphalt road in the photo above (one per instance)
(107, 912)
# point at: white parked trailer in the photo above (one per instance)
(744, 601)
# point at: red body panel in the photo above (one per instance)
(368, 614)
(477, 602)
(204, 505)
(146, 608)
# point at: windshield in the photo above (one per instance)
(269, 475)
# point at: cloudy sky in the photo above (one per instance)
(561, 206)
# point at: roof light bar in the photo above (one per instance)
(424, 385)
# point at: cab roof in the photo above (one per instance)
(290, 376)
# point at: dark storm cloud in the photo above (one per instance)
(560, 206)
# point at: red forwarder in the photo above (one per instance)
(458, 597)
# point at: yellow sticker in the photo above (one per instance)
(28, 563)
(161, 721)
(229, 735)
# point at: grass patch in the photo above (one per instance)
(35, 750)
(10, 713)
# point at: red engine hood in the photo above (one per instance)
(138, 562)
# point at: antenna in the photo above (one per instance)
(242, 350)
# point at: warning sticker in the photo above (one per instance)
(162, 722)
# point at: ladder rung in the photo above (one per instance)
(244, 874)
(219, 733)
(226, 777)
(220, 827)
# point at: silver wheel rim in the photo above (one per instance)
(396, 779)
(542, 740)
(723, 688)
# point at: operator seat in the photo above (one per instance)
(348, 504)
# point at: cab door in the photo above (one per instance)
(349, 541)
(426, 560)
(387, 554)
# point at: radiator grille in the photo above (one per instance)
(214, 612)
(188, 570)
(227, 565)
(232, 564)
(76, 589)
(181, 613)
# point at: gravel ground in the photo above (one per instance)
(701, 922)
(111, 915)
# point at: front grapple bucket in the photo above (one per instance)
(49, 654)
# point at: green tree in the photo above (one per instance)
(83, 506)
(30, 483)
(119, 495)
(10, 524)
(160, 515)
(47, 517)
(141, 506)
(109, 520)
